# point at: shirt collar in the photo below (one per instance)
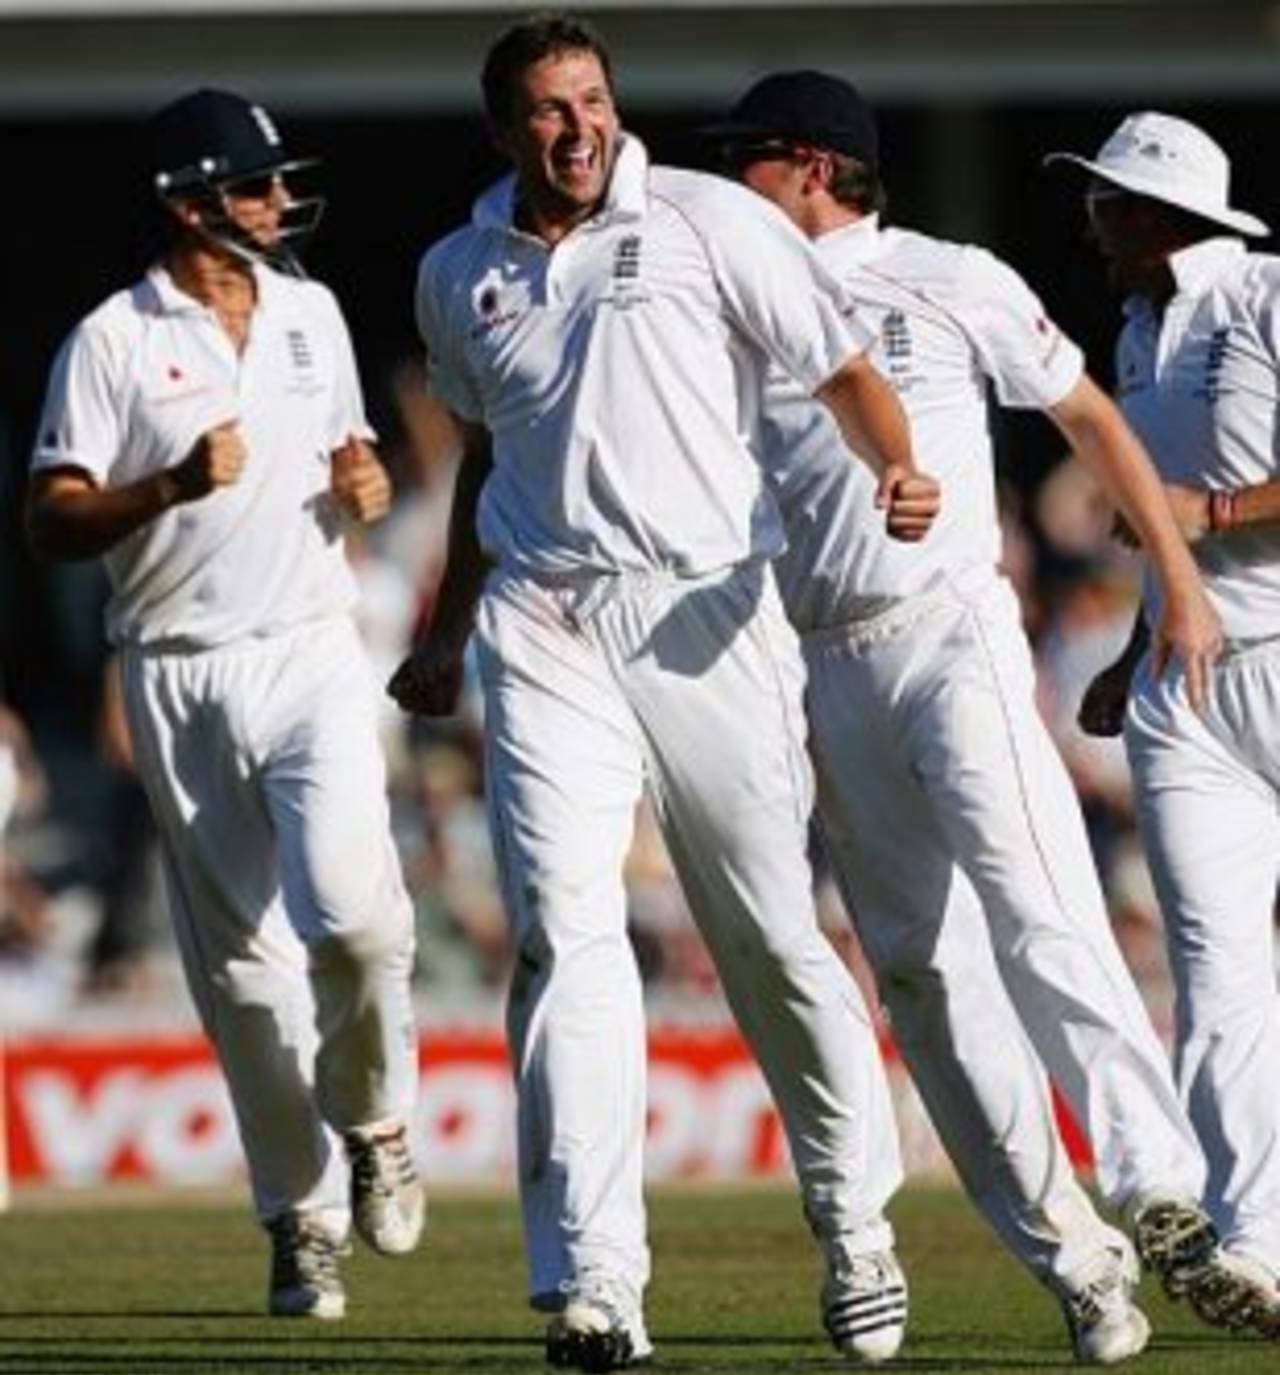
(624, 197)
(1199, 267)
(858, 242)
(1196, 269)
(168, 298)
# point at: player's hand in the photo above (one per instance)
(429, 682)
(1103, 706)
(1189, 507)
(910, 500)
(359, 483)
(216, 460)
(1189, 631)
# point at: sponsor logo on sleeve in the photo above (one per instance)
(1213, 386)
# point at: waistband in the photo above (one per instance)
(582, 592)
(942, 591)
(1261, 646)
(258, 640)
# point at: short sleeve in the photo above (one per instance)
(1031, 363)
(347, 414)
(776, 290)
(1267, 313)
(447, 377)
(80, 426)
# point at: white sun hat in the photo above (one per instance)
(1169, 160)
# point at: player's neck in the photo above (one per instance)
(220, 281)
(551, 221)
(212, 276)
(830, 215)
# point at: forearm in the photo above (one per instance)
(466, 564)
(70, 519)
(869, 415)
(1235, 507)
(1099, 435)
(1132, 485)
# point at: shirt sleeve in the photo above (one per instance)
(1266, 311)
(80, 426)
(447, 377)
(347, 414)
(777, 291)
(1031, 363)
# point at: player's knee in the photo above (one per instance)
(910, 983)
(379, 940)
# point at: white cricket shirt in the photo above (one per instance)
(617, 370)
(1199, 385)
(139, 381)
(950, 320)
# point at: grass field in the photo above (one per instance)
(152, 1287)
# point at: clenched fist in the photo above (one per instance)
(359, 483)
(429, 681)
(911, 502)
(216, 460)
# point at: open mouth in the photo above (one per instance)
(577, 162)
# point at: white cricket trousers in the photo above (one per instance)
(262, 764)
(945, 801)
(594, 688)
(1208, 789)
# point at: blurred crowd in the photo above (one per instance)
(82, 921)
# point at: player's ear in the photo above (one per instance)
(500, 138)
(820, 169)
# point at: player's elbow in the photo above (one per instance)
(41, 532)
(53, 538)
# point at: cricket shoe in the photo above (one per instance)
(1175, 1238)
(1105, 1324)
(600, 1327)
(305, 1282)
(864, 1303)
(1237, 1292)
(388, 1203)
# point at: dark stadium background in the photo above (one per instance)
(78, 221)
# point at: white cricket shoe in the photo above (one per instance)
(1105, 1324)
(305, 1282)
(388, 1203)
(1237, 1292)
(601, 1326)
(1174, 1237)
(864, 1303)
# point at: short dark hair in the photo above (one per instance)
(855, 183)
(545, 34)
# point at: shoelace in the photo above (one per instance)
(381, 1165)
(303, 1254)
(869, 1273)
(1088, 1306)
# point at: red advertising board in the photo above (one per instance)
(91, 1111)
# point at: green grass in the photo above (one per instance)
(149, 1288)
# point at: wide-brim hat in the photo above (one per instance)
(1173, 161)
